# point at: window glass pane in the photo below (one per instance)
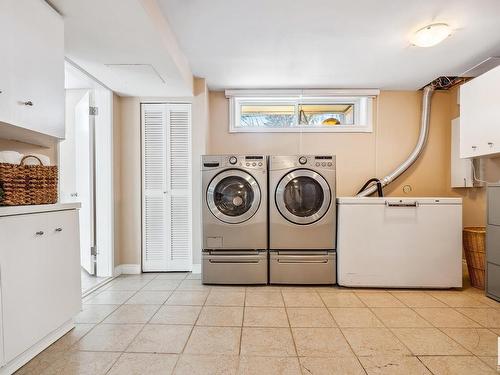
(267, 116)
(326, 114)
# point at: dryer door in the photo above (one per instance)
(233, 196)
(303, 196)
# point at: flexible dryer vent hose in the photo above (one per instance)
(422, 140)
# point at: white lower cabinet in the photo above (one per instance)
(40, 280)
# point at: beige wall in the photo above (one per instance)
(359, 156)
(200, 119)
(364, 155)
(117, 186)
(129, 155)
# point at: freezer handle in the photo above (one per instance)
(401, 204)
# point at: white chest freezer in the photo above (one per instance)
(399, 242)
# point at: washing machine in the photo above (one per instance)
(234, 219)
(302, 219)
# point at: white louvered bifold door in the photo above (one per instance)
(179, 187)
(166, 187)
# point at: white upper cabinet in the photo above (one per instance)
(31, 67)
(480, 115)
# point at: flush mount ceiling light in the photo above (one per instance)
(431, 35)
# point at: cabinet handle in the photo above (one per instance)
(28, 103)
(58, 229)
(490, 144)
(474, 147)
(39, 233)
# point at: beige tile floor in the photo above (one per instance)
(172, 324)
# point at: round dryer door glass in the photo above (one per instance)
(233, 196)
(303, 196)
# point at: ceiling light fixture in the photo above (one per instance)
(431, 35)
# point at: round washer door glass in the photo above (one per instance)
(303, 196)
(233, 196)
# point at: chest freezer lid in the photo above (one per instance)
(395, 200)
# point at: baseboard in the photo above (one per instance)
(196, 268)
(32, 352)
(128, 269)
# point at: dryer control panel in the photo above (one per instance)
(306, 161)
(238, 161)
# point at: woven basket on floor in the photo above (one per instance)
(474, 248)
(22, 184)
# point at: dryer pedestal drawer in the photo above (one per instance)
(302, 267)
(234, 267)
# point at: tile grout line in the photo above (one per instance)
(343, 335)
(391, 329)
(189, 336)
(142, 328)
(291, 332)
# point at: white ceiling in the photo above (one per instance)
(127, 45)
(329, 43)
(76, 79)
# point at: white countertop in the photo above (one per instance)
(22, 210)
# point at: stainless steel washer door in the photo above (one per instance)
(303, 196)
(233, 196)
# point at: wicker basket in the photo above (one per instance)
(22, 184)
(474, 248)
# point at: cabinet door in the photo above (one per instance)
(480, 115)
(472, 122)
(40, 277)
(4, 64)
(34, 48)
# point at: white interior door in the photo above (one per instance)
(166, 186)
(75, 164)
(84, 179)
(104, 194)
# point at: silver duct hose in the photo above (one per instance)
(422, 140)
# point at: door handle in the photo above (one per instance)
(28, 103)
(58, 229)
(40, 233)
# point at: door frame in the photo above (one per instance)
(103, 173)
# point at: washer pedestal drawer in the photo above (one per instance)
(302, 267)
(234, 267)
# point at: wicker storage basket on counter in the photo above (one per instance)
(22, 184)
(474, 248)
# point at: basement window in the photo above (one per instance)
(267, 111)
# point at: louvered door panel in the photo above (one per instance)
(166, 134)
(179, 157)
(155, 215)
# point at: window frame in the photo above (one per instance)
(362, 100)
